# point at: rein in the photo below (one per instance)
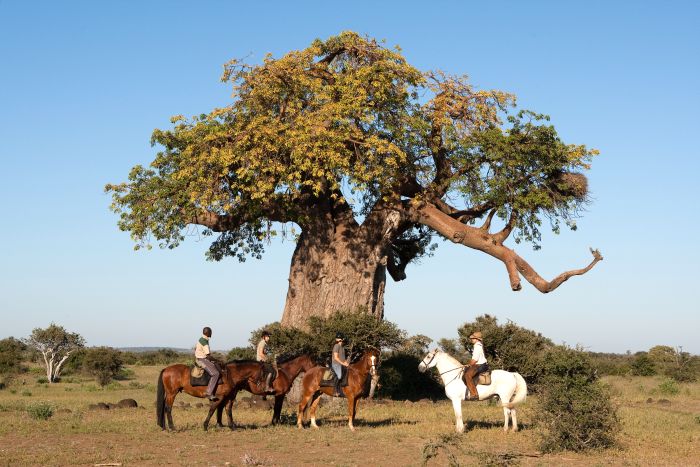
(460, 367)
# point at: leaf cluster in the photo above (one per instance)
(11, 355)
(362, 331)
(575, 411)
(346, 122)
(55, 340)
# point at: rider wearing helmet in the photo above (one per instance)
(338, 361)
(261, 356)
(476, 365)
(203, 355)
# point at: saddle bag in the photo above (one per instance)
(197, 370)
(483, 378)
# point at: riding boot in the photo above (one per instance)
(469, 380)
(338, 392)
(268, 385)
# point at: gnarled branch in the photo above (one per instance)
(479, 239)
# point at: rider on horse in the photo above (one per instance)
(476, 365)
(261, 356)
(203, 355)
(338, 361)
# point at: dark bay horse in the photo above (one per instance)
(287, 371)
(176, 378)
(358, 376)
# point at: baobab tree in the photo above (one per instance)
(371, 159)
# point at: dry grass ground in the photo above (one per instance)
(395, 434)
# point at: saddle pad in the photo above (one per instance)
(202, 380)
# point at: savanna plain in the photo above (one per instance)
(657, 428)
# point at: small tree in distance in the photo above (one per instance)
(55, 344)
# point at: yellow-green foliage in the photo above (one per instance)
(346, 120)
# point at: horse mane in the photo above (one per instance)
(286, 357)
(451, 358)
(242, 361)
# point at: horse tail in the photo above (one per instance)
(160, 401)
(520, 391)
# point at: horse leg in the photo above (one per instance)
(351, 412)
(506, 417)
(300, 410)
(219, 415)
(312, 410)
(229, 412)
(169, 401)
(354, 409)
(279, 399)
(212, 408)
(457, 406)
(514, 419)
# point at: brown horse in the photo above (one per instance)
(287, 371)
(176, 378)
(358, 379)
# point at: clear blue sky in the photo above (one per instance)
(83, 85)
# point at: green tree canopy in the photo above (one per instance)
(55, 345)
(346, 134)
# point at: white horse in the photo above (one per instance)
(509, 387)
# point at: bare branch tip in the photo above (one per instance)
(596, 254)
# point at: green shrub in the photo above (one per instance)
(401, 380)
(669, 387)
(40, 410)
(361, 331)
(611, 364)
(642, 365)
(11, 354)
(27, 393)
(42, 380)
(104, 363)
(162, 357)
(574, 410)
(241, 353)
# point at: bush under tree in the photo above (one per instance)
(360, 329)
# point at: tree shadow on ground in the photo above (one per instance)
(471, 424)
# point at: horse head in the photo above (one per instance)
(371, 360)
(429, 360)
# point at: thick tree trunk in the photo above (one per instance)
(340, 269)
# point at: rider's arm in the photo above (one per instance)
(337, 359)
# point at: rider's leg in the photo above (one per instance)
(469, 380)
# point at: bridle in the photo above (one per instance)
(432, 357)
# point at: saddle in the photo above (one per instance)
(329, 378)
(482, 378)
(268, 369)
(199, 377)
